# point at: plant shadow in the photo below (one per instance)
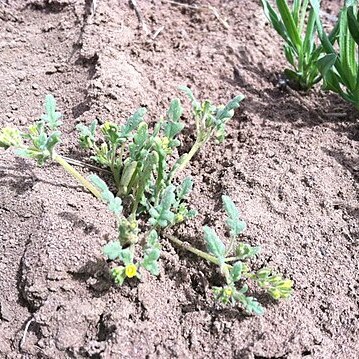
(96, 275)
(78, 222)
(277, 102)
(20, 184)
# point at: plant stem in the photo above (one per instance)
(83, 164)
(195, 148)
(114, 170)
(198, 252)
(193, 250)
(80, 178)
(231, 245)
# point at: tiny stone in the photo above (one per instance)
(35, 86)
(21, 76)
(98, 84)
(323, 252)
(14, 107)
(67, 287)
(41, 343)
(11, 90)
(22, 120)
(5, 313)
(50, 70)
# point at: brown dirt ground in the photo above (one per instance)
(290, 162)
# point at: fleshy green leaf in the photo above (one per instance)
(236, 271)
(133, 121)
(236, 226)
(214, 244)
(51, 117)
(353, 24)
(175, 111)
(184, 189)
(112, 250)
(288, 21)
(326, 63)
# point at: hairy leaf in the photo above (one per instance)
(196, 105)
(161, 215)
(133, 122)
(175, 111)
(114, 203)
(87, 134)
(10, 137)
(184, 189)
(51, 117)
(236, 226)
(112, 250)
(227, 111)
(236, 271)
(214, 244)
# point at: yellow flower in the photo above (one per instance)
(133, 225)
(165, 142)
(287, 284)
(275, 294)
(179, 217)
(228, 291)
(130, 270)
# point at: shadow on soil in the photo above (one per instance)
(96, 275)
(298, 108)
(20, 184)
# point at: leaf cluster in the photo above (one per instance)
(238, 273)
(144, 166)
(335, 60)
(115, 251)
(148, 199)
(40, 140)
(339, 65)
(297, 27)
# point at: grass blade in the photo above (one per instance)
(289, 24)
(353, 24)
(273, 17)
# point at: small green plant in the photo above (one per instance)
(297, 26)
(147, 198)
(238, 273)
(339, 65)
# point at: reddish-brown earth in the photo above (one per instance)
(290, 162)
